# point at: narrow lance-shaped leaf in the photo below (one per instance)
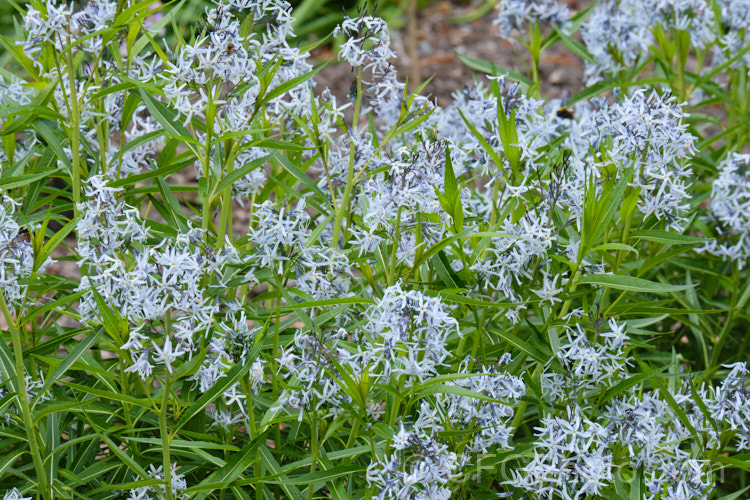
(630, 283)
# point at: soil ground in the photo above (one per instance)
(440, 38)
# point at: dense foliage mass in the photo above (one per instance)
(505, 297)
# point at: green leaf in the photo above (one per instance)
(327, 302)
(134, 484)
(56, 239)
(112, 321)
(163, 172)
(508, 133)
(318, 231)
(611, 83)
(81, 347)
(108, 395)
(453, 389)
(445, 271)
(48, 409)
(241, 172)
(270, 463)
(54, 143)
(490, 68)
(317, 476)
(575, 46)
(736, 494)
(738, 461)
(635, 485)
(614, 246)
(166, 117)
(458, 215)
(667, 238)
(189, 367)
(438, 247)
(223, 477)
(114, 448)
(9, 460)
(178, 216)
(7, 367)
(299, 175)
(485, 145)
(630, 283)
(288, 85)
(606, 208)
(224, 383)
(460, 299)
(626, 384)
(16, 50)
(665, 393)
(524, 346)
(451, 184)
(184, 444)
(412, 123)
(14, 181)
(35, 111)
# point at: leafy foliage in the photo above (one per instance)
(500, 297)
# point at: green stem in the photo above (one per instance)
(125, 388)
(571, 287)
(207, 196)
(28, 421)
(353, 434)
(225, 226)
(521, 410)
(536, 51)
(350, 178)
(394, 251)
(344, 204)
(314, 447)
(75, 137)
(253, 432)
(680, 83)
(726, 327)
(165, 439)
(276, 334)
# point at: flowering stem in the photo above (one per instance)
(314, 447)
(165, 439)
(477, 334)
(23, 399)
(125, 388)
(725, 329)
(208, 195)
(225, 226)
(276, 334)
(350, 179)
(396, 238)
(571, 287)
(353, 434)
(206, 213)
(679, 84)
(344, 203)
(535, 48)
(245, 381)
(737, 114)
(413, 44)
(75, 138)
(521, 410)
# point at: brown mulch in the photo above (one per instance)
(440, 38)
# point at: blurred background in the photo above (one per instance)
(313, 17)
(428, 36)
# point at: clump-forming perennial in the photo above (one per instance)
(173, 291)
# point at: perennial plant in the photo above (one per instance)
(509, 296)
